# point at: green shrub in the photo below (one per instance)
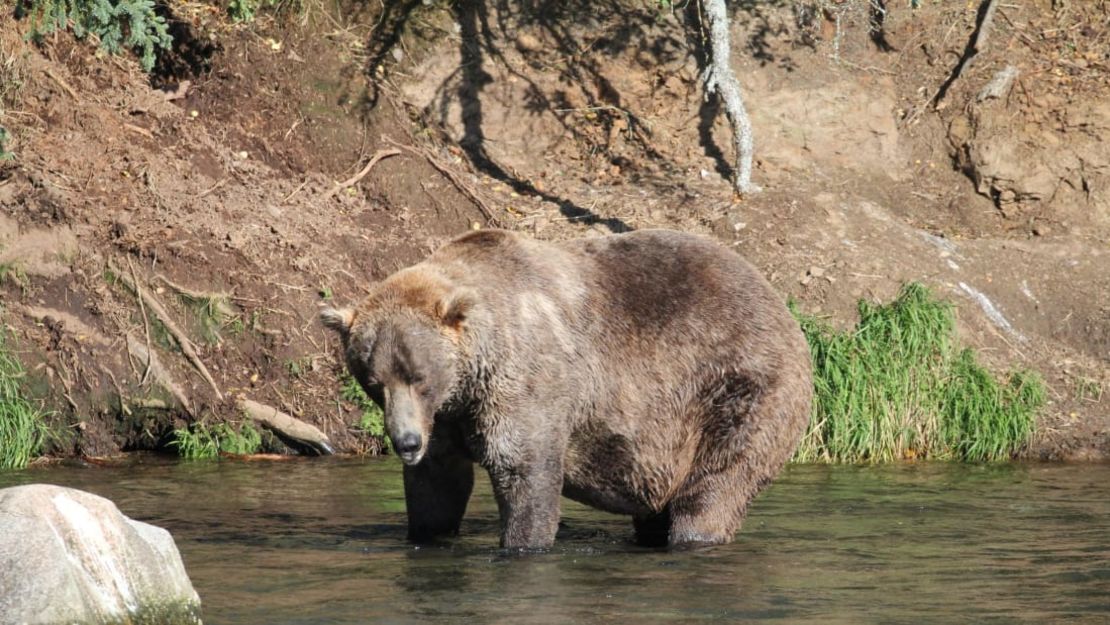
(118, 24)
(22, 425)
(244, 10)
(201, 442)
(894, 387)
(372, 421)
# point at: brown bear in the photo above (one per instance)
(654, 374)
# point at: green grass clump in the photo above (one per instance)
(13, 273)
(201, 442)
(372, 420)
(118, 24)
(22, 425)
(895, 387)
(213, 313)
(244, 10)
(5, 155)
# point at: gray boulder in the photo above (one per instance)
(67, 556)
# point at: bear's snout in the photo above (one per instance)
(406, 422)
(408, 446)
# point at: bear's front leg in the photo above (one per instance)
(528, 500)
(436, 493)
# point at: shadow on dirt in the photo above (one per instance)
(191, 55)
(557, 38)
(476, 42)
(571, 41)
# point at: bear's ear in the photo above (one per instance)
(339, 320)
(453, 309)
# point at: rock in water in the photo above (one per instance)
(67, 556)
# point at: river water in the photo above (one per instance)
(323, 541)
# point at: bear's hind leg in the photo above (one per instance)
(436, 493)
(711, 510)
(760, 438)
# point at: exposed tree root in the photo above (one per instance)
(219, 299)
(975, 45)
(286, 427)
(339, 186)
(464, 188)
(159, 372)
(179, 336)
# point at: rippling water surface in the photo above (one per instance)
(313, 542)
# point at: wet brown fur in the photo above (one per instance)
(653, 374)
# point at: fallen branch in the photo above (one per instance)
(463, 188)
(287, 427)
(63, 84)
(339, 186)
(178, 335)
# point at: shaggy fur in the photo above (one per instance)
(653, 374)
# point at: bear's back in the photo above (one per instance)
(660, 279)
(649, 290)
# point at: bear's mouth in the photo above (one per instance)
(411, 457)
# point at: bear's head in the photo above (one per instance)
(402, 344)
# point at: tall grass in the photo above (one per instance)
(22, 425)
(895, 386)
(201, 441)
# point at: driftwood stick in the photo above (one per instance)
(287, 427)
(178, 335)
(463, 188)
(339, 186)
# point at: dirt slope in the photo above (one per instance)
(219, 181)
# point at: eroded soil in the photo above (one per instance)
(216, 177)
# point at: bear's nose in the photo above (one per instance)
(408, 443)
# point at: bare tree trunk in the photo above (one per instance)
(718, 78)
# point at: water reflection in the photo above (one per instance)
(311, 542)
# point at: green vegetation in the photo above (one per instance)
(1088, 389)
(22, 425)
(297, 367)
(14, 273)
(201, 441)
(244, 10)
(118, 24)
(13, 72)
(372, 420)
(895, 387)
(5, 155)
(213, 313)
